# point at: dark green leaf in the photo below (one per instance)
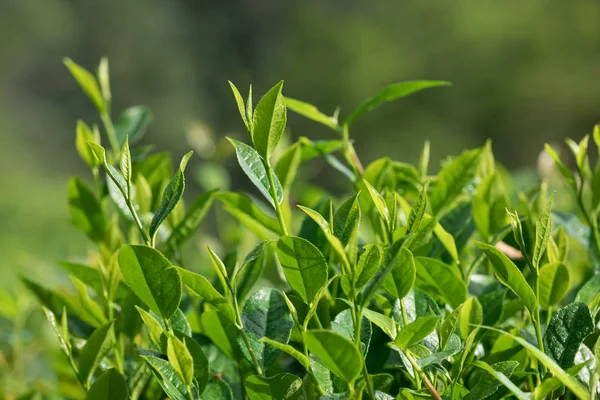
(491, 379)
(132, 123)
(418, 211)
(346, 220)
(167, 377)
(265, 314)
(270, 117)
(217, 390)
(171, 196)
(390, 93)
(401, 277)
(566, 331)
(95, 349)
(393, 257)
(304, 266)
(152, 278)
(335, 352)
(282, 386)
(109, 386)
(344, 325)
(509, 275)
(368, 264)
(86, 211)
(448, 327)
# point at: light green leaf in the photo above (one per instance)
(125, 164)
(394, 256)
(87, 82)
(200, 286)
(286, 348)
(155, 329)
(86, 211)
(418, 211)
(244, 209)
(84, 135)
(181, 359)
(171, 196)
(566, 331)
(440, 279)
(95, 349)
(311, 112)
(132, 124)
(452, 179)
(63, 338)
(368, 264)
(152, 278)
(543, 227)
(346, 220)
(109, 386)
(390, 93)
(92, 277)
(379, 202)
(104, 79)
(253, 167)
(270, 117)
(470, 318)
(168, 379)
(186, 228)
(222, 332)
(240, 103)
(265, 314)
(424, 160)
(282, 386)
(564, 170)
(447, 240)
(495, 375)
(287, 165)
(343, 324)
(304, 266)
(335, 352)
(387, 325)
(509, 275)
(416, 331)
(201, 367)
(589, 291)
(555, 280)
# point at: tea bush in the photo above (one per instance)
(411, 286)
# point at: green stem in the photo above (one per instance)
(536, 323)
(403, 311)
(357, 319)
(278, 210)
(434, 394)
(110, 132)
(350, 154)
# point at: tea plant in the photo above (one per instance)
(412, 286)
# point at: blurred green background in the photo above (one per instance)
(523, 73)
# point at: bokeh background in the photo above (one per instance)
(523, 73)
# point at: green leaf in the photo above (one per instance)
(86, 211)
(241, 107)
(343, 324)
(200, 286)
(251, 270)
(253, 167)
(96, 348)
(84, 135)
(201, 367)
(440, 279)
(186, 228)
(401, 278)
(424, 160)
(63, 338)
(416, 331)
(244, 209)
(543, 227)
(132, 124)
(171, 196)
(92, 277)
(390, 93)
(282, 386)
(448, 327)
(471, 314)
(286, 348)
(181, 359)
(564, 170)
(509, 275)
(155, 329)
(217, 390)
(494, 376)
(304, 266)
(311, 112)
(346, 220)
(104, 79)
(335, 352)
(152, 278)
(265, 314)
(222, 332)
(368, 264)
(270, 117)
(566, 331)
(555, 280)
(167, 377)
(452, 179)
(589, 290)
(570, 382)
(392, 258)
(287, 165)
(418, 211)
(87, 82)
(109, 386)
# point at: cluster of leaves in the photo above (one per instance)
(414, 286)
